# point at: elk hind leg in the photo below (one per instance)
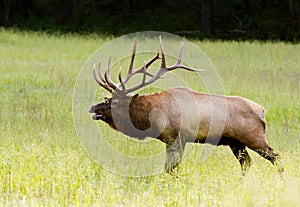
(240, 152)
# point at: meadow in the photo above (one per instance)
(42, 162)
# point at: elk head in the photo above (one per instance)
(120, 100)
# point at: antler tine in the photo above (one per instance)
(132, 58)
(100, 82)
(180, 53)
(95, 76)
(183, 67)
(120, 79)
(163, 59)
(156, 57)
(178, 65)
(142, 69)
(145, 73)
(142, 84)
(99, 73)
(108, 79)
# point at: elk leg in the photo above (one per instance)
(271, 155)
(243, 157)
(174, 153)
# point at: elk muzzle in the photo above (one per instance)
(97, 114)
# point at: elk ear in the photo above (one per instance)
(106, 100)
(135, 96)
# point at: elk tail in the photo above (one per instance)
(262, 116)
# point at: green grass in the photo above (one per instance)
(43, 164)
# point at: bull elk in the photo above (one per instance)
(179, 115)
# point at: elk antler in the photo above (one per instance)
(101, 81)
(132, 71)
(109, 85)
(105, 82)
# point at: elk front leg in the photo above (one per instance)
(174, 153)
(271, 155)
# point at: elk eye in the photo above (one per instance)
(114, 103)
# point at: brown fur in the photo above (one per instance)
(179, 115)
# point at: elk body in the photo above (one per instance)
(180, 115)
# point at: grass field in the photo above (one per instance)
(43, 164)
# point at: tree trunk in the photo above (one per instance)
(7, 10)
(292, 15)
(207, 17)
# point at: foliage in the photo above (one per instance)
(245, 19)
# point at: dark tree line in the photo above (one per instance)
(263, 19)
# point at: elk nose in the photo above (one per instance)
(92, 109)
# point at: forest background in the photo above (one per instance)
(221, 19)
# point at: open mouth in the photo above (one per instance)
(96, 115)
